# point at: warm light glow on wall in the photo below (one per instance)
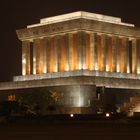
(24, 67)
(107, 68)
(118, 68)
(84, 67)
(44, 69)
(24, 61)
(55, 69)
(34, 71)
(67, 67)
(80, 66)
(23, 72)
(80, 101)
(96, 66)
(34, 65)
(128, 69)
(11, 97)
(138, 71)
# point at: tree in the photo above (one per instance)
(40, 100)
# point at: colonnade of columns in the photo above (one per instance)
(81, 50)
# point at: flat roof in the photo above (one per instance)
(77, 15)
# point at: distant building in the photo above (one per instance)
(82, 55)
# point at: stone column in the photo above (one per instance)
(43, 56)
(56, 48)
(67, 52)
(83, 34)
(118, 46)
(48, 54)
(71, 52)
(138, 56)
(23, 58)
(109, 53)
(96, 66)
(134, 56)
(59, 52)
(87, 50)
(101, 52)
(26, 57)
(39, 56)
(123, 66)
(63, 53)
(80, 47)
(92, 52)
(75, 48)
(52, 55)
(36, 55)
(31, 57)
(128, 55)
(113, 54)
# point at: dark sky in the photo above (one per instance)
(16, 14)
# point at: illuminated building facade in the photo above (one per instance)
(80, 41)
(76, 53)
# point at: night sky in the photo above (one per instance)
(17, 14)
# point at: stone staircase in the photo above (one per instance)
(132, 106)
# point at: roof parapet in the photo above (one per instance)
(77, 15)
